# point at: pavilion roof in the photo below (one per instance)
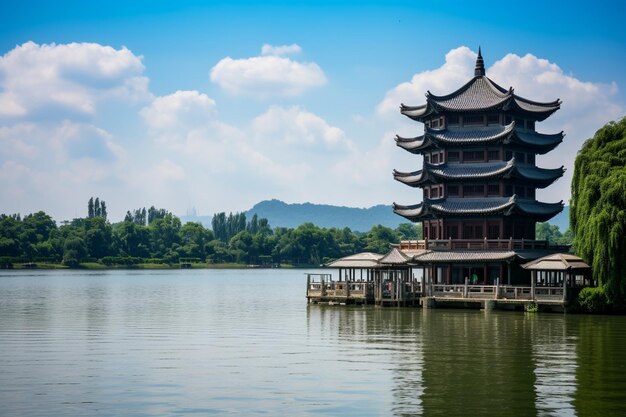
(557, 262)
(359, 260)
(395, 257)
(480, 135)
(479, 171)
(459, 207)
(464, 256)
(480, 94)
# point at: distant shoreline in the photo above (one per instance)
(93, 266)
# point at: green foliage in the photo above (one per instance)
(552, 233)
(157, 237)
(598, 207)
(593, 300)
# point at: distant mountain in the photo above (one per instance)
(561, 220)
(281, 214)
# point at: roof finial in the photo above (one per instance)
(480, 65)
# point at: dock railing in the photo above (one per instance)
(498, 292)
(473, 244)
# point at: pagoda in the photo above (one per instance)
(479, 180)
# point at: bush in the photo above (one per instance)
(593, 300)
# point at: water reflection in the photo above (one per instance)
(246, 342)
(555, 360)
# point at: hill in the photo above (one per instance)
(281, 214)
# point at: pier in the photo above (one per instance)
(391, 280)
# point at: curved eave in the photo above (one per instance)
(538, 211)
(487, 134)
(412, 213)
(537, 110)
(540, 177)
(413, 179)
(540, 142)
(414, 145)
(417, 113)
(482, 94)
(477, 207)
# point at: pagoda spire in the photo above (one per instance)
(480, 65)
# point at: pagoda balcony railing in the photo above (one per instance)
(473, 244)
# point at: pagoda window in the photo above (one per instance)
(493, 119)
(493, 231)
(453, 120)
(434, 193)
(474, 120)
(434, 123)
(508, 119)
(530, 158)
(435, 158)
(474, 190)
(493, 154)
(452, 232)
(493, 189)
(473, 231)
(453, 156)
(426, 192)
(508, 155)
(427, 158)
(530, 124)
(453, 190)
(473, 156)
(508, 191)
(520, 157)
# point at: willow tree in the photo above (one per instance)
(598, 207)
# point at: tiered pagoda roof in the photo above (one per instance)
(441, 138)
(480, 94)
(460, 207)
(435, 173)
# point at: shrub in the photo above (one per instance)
(593, 300)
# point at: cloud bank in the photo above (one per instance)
(270, 74)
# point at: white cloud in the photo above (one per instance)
(457, 70)
(186, 109)
(268, 49)
(67, 78)
(267, 75)
(298, 127)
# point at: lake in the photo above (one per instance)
(245, 342)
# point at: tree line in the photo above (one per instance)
(157, 236)
(598, 212)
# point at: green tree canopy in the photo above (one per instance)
(598, 207)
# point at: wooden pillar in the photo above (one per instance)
(485, 274)
(533, 276)
(508, 273)
(564, 274)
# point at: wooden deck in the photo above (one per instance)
(321, 288)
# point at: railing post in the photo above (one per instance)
(322, 286)
(308, 283)
(533, 276)
(465, 289)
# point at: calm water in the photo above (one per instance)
(209, 342)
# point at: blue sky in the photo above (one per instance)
(176, 104)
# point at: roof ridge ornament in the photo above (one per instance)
(479, 71)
